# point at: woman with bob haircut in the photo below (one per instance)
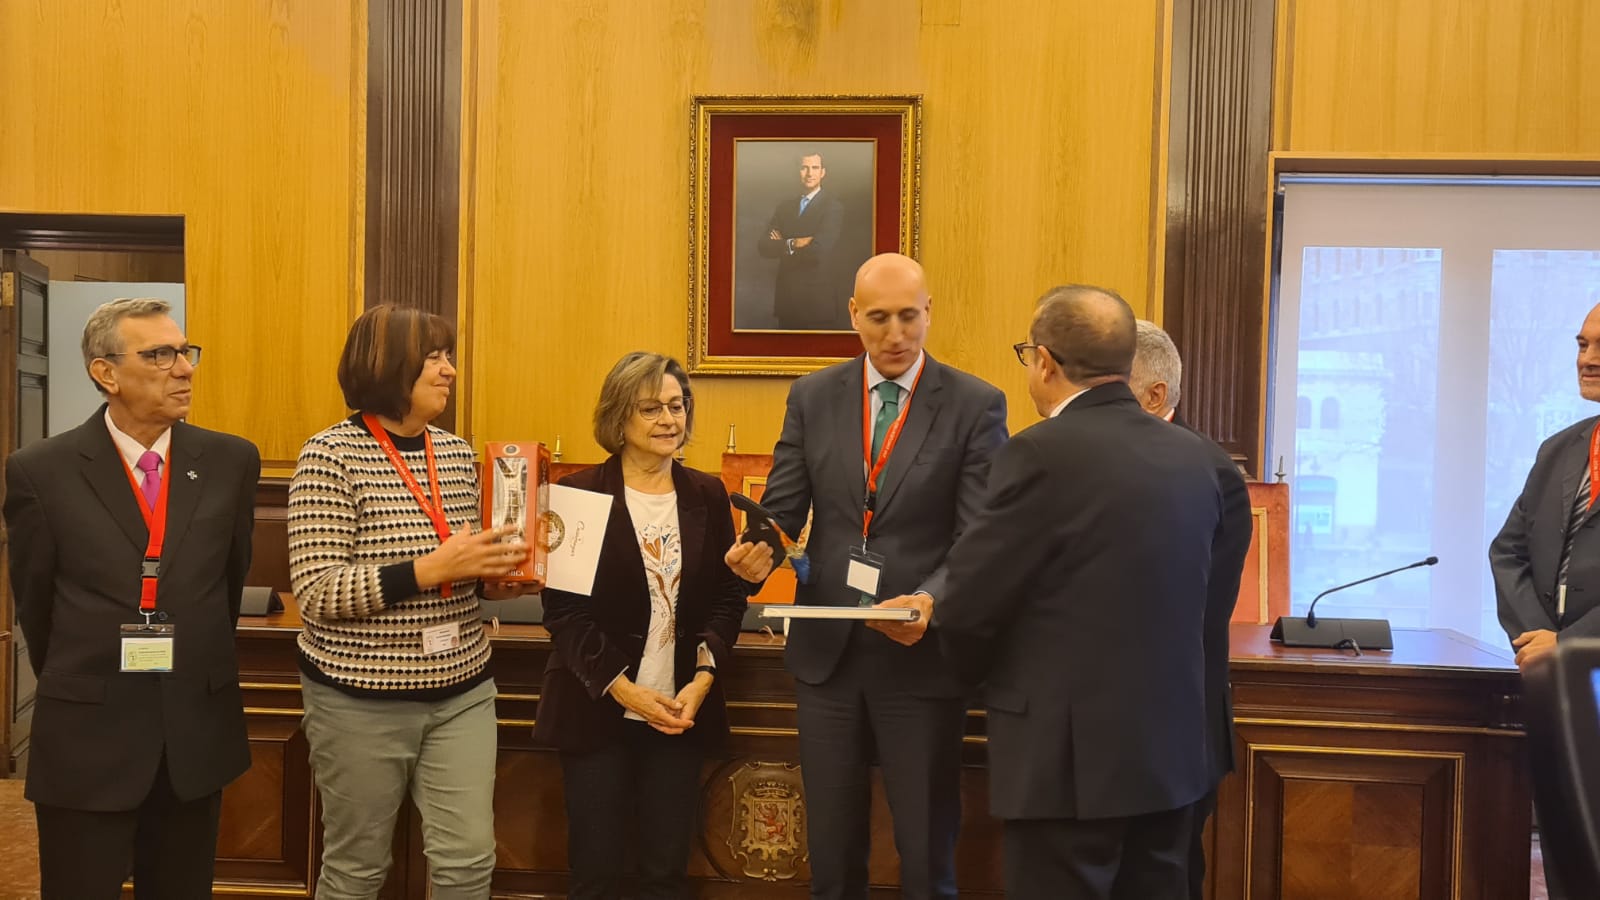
(387, 567)
(631, 695)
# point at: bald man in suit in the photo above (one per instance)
(887, 689)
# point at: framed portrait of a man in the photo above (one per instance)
(789, 196)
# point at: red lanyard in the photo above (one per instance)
(890, 438)
(155, 521)
(1594, 465)
(434, 510)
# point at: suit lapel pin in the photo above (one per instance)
(192, 475)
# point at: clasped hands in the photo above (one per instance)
(668, 715)
(1531, 645)
(753, 563)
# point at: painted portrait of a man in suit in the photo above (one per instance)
(804, 225)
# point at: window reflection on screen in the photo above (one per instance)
(1368, 368)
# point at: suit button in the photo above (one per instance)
(1547, 595)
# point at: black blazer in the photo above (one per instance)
(603, 634)
(76, 541)
(930, 490)
(1525, 557)
(1222, 595)
(1079, 595)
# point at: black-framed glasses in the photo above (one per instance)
(1021, 348)
(650, 410)
(165, 357)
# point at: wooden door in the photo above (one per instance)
(24, 292)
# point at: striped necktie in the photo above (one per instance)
(1575, 519)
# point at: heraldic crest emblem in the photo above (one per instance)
(769, 812)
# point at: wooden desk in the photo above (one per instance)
(1394, 775)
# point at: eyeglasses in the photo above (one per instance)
(165, 357)
(650, 410)
(1021, 348)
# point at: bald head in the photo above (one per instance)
(890, 272)
(891, 310)
(1089, 330)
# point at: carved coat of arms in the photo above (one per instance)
(769, 810)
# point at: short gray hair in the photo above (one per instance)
(1155, 358)
(100, 337)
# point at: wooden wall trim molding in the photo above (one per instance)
(1219, 138)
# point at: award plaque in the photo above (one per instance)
(516, 492)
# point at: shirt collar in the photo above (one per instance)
(1170, 413)
(813, 194)
(130, 448)
(1063, 404)
(906, 379)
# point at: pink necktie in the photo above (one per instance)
(150, 465)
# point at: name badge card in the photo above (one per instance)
(441, 638)
(863, 573)
(147, 648)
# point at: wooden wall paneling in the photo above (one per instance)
(1216, 214)
(246, 120)
(1037, 170)
(1438, 76)
(269, 540)
(112, 265)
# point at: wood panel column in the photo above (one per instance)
(1220, 133)
(414, 156)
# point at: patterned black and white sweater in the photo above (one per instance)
(354, 532)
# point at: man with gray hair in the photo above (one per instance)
(130, 540)
(1098, 737)
(1157, 373)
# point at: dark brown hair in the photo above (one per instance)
(1089, 330)
(383, 357)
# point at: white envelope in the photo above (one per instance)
(577, 529)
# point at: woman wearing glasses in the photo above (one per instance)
(631, 695)
(387, 570)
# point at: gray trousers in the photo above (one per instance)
(366, 755)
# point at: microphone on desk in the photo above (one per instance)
(1358, 634)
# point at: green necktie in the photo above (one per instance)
(889, 393)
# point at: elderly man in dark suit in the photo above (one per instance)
(890, 452)
(138, 726)
(1078, 597)
(1156, 382)
(803, 235)
(1546, 558)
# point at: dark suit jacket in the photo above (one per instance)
(1525, 557)
(603, 634)
(1222, 595)
(803, 295)
(1079, 594)
(77, 539)
(929, 492)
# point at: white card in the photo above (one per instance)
(577, 528)
(862, 577)
(441, 638)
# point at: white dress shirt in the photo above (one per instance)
(906, 380)
(1063, 404)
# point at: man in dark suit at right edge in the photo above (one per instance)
(1546, 558)
(1078, 598)
(1156, 383)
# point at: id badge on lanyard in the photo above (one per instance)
(149, 646)
(865, 568)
